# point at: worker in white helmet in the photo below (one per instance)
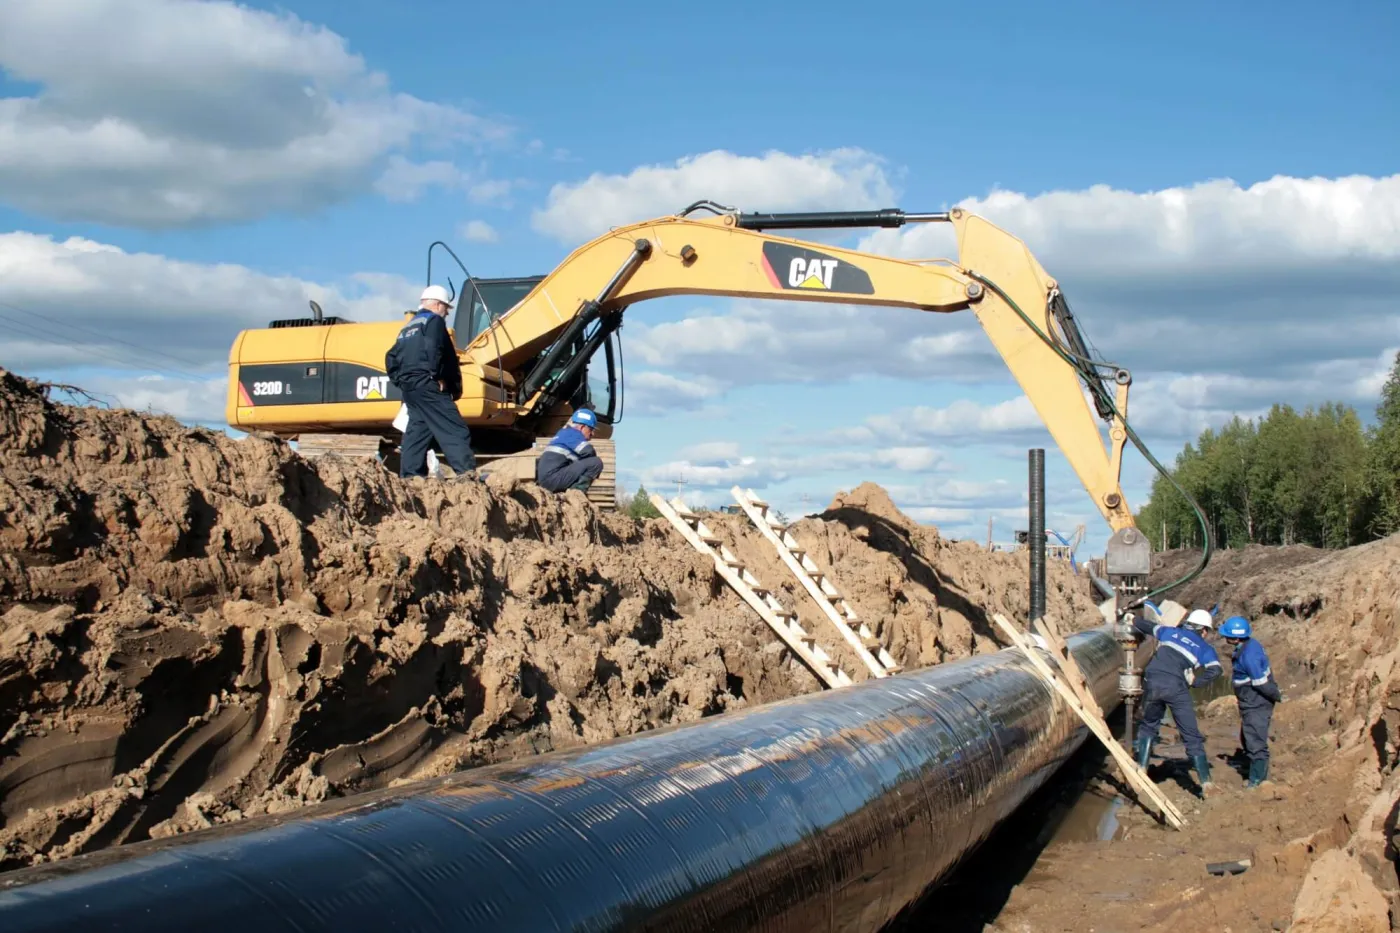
(1167, 681)
(422, 363)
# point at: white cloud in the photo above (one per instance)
(189, 400)
(1279, 291)
(404, 180)
(961, 420)
(164, 113)
(962, 494)
(494, 191)
(1215, 227)
(77, 302)
(1212, 273)
(774, 181)
(745, 471)
(721, 464)
(653, 393)
(478, 231)
(711, 450)
(782, 341)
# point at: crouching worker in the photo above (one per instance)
(422, 363)
(1255, 690)
(1167, 682)
(570, 462)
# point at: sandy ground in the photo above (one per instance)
(1319, 835)
(195, 629)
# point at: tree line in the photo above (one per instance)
(1316, 477)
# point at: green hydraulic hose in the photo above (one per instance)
(1086, 368)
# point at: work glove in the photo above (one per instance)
(1190, 676)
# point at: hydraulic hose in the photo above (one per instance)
(1086, 368)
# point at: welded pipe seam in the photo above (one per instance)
(831, 811)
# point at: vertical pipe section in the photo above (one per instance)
(827, 812)
(1037, 532)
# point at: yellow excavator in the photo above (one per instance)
(531, 346)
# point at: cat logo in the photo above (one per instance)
(372, 388)
(793, 267)
(816, 274)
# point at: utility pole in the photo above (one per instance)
(679, 483)
(990, 519)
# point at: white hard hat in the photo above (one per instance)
(1200, 618)
(435, 293)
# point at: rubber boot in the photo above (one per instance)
(1202, 765)
(1258, 773)
(582, 484)
(1142, 748)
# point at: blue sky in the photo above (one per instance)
(1203, 181)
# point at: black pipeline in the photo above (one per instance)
(831, 811)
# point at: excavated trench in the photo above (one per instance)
(195, 631)
(1318, 838)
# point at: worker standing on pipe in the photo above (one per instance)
(1256, 691)
(1167, 683)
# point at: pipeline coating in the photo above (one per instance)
(831, 811)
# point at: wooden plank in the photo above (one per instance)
(1064, 660)
(783, 623)
(1135, 775)
(312, 446)
(828, 597)
(860, 638)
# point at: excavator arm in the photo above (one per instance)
(1017, 303)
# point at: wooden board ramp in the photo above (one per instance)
(782, 621)
(851, 627)
(312, 446)
(1148, 792)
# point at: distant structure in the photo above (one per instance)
(1064, 550)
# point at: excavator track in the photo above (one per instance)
(603, 492)
(521, 465)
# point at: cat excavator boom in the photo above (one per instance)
(526, 367)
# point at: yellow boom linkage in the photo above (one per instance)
(522, 372)
(718, 256)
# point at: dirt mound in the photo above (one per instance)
(194, 629)
(1227, 570)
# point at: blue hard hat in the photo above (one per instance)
(585, 416)
(1236, 627)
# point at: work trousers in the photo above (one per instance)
(432, 416)
(572, 474)
(1162, 692)
(1255, 718)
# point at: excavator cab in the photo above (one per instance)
(599, 385)
(483, 301)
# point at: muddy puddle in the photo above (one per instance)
(1067, 809)
(1072, 808)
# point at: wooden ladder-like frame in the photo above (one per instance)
(818, 584)
(781, 620)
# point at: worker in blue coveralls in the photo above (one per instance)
(570, 462)
(1167, 682)
(423, 364)
(1256, 690)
